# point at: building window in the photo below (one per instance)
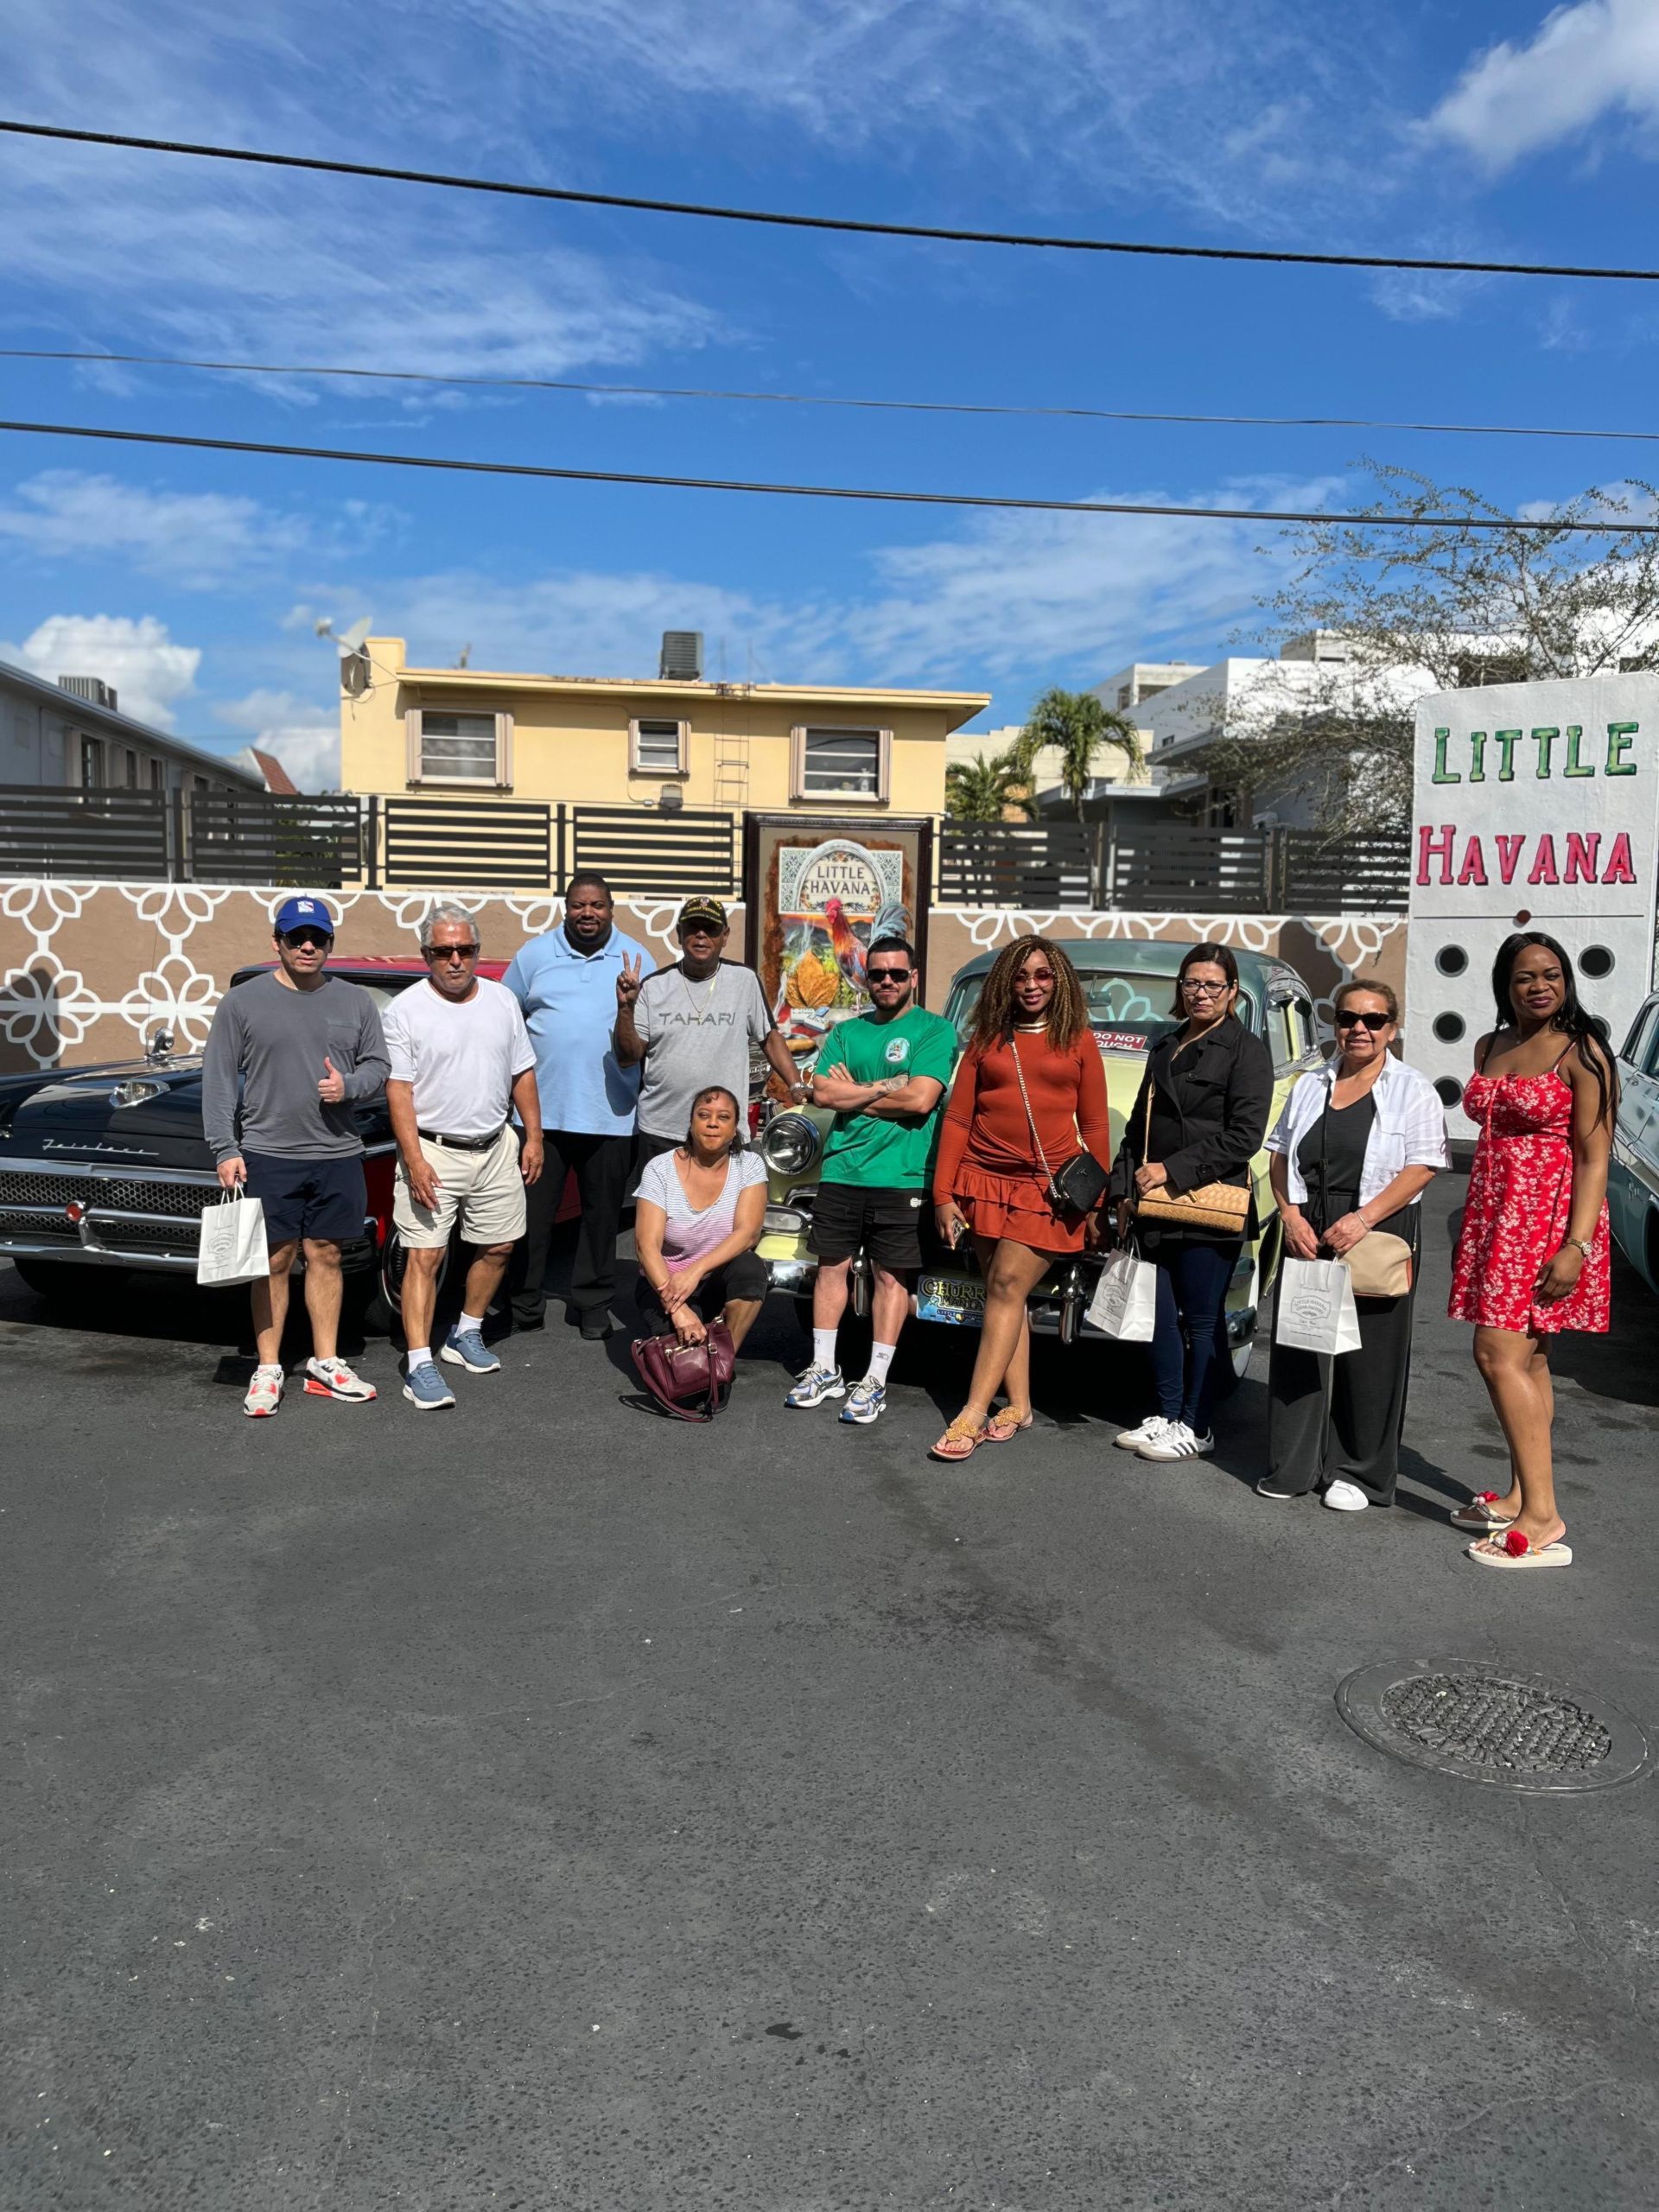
(92, 764)
(843, 764)
(130, 764)
(157, 776)
(656, 748)
(446, 748)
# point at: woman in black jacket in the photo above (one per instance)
(1199, 1118)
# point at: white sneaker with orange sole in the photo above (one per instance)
(332, 1378)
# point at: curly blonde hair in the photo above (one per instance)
(1068, 1010)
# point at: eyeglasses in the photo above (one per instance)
(888, 974)
(1372, 1022)
(1205, 990)
(306, 940)
(450, 951)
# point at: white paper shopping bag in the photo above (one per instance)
(1125, 1303)
(232, 1248)
(1316, 1308)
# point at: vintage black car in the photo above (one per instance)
(104, 1169)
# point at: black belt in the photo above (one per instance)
(462, 1144)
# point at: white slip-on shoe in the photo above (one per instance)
(1344, 1497)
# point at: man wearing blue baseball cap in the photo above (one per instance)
(303, 1045)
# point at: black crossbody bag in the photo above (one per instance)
(1078, 1184)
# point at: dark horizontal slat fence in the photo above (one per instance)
(675, 853)
(1352, 875)
(489, 845)
(47, 832)
(1169, 870)
(1043, 864)
(258, 837)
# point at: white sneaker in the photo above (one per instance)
(1344, 1497)
(1150, 1430)
(1178, 1442)
(264, 1393)
(815, 1384)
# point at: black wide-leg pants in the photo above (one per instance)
(1341, 1419)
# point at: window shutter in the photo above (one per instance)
(504, 752)
(884, 768)
(797, 762)
(412, 744)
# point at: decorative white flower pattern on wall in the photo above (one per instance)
(157, 955)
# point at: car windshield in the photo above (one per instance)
(1122, 1003)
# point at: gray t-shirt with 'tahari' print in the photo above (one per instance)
(696, 1034)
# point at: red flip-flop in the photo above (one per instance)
(1516, 1549)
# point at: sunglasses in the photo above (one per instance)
(451, 951)
(1372, 1022)
(889, 974)
(298, 940)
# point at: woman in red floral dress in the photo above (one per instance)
(1532, 1257)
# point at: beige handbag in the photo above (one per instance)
(1221, 1208)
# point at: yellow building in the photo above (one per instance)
(598, 741)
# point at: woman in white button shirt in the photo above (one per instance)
(1356, 1147)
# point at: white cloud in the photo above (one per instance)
(203, 541)
(1599, 58)
(149, 670)
(310, 752)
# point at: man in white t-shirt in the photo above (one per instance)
(461, 1061)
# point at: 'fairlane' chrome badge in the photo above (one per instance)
(121, 1151)
(135, 1092)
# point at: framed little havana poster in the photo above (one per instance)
(820, 892)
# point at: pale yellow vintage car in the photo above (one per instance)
(1130, 987)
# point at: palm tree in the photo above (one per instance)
(1078, 724)
(984, 790)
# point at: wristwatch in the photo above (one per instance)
(1585, 1244)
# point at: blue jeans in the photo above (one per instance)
(1190, 1334)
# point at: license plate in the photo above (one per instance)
(958, 1300)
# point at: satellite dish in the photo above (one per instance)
(354, 673)
(351, 640)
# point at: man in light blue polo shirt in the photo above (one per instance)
(566, 983)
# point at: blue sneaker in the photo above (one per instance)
(466, 1348)
(865, 1402)
(816, 1384)
(426, 1389)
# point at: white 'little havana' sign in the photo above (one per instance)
(1536, 807)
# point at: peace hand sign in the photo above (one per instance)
(628, 979)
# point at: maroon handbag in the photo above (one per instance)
(691, 1382)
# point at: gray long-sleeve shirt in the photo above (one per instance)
(277, 1040)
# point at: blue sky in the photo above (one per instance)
(1459, 128)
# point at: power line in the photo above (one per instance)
(822, 399)
(822, 491)
(949, 233)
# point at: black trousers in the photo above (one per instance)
(743, 1277)
(1331, 1419)
(602, 1166)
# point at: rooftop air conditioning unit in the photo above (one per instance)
(682, 656)
(92, 689)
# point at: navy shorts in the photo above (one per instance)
(326, 1199)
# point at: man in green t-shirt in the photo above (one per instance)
(884, 1072)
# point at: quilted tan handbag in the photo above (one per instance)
(1221, 1208)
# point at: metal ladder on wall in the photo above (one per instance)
(732, 754)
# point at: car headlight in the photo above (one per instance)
(785, 1221)
(790, 1144)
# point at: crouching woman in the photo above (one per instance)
(698, 1217)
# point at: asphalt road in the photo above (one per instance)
(546, 1805)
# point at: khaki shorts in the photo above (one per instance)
(483, 1190)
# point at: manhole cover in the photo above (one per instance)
(1491, 1724)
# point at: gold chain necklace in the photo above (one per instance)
(698, 1015)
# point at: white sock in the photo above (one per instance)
(468, 1321)
(419, 1355)
(824, 1349)
(880, 1361)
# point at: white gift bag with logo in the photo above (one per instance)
(1125, 1303)
(1316, 1308)
(232, 1248)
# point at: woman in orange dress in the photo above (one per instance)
(1029, 1096)
(1532, 1255)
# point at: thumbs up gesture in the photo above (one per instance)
(331, 1088)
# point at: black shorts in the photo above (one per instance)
(325, 1199)
(887, 1224)
(745, 1277)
